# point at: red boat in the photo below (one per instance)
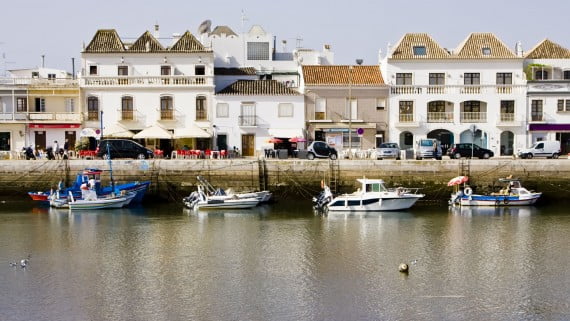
(39, 196)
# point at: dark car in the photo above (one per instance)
(464, 150)
(321, 150)
(122, 148)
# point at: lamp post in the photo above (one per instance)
(350, 111)
(101, 124)
(473, 128)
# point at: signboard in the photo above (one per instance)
(360, 132)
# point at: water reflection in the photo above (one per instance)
(262, 210)
(521, 211)
(385, 215)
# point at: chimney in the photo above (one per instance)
(518, 49)
(326, 47)
(156, 31)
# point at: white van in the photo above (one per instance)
(545, 148)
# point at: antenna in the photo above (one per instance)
(243, 20)
(298, 40)
(204, 27)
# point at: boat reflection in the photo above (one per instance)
(493, 211)
(332, 215)
(261, 210)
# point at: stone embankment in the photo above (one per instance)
(172, 179)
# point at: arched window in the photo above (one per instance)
(127, 111)
(166, 108)
(201, 110)
(92, 108)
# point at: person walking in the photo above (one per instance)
(55, 149)
(66, 149)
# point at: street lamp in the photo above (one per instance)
(473, 128)
(350, 111)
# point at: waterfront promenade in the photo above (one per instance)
(172, 179)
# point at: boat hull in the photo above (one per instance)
(225, 204)
(104, 203)
(369, 204)
(500, 200)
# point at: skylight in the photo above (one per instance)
(486, 51)
(420, 51)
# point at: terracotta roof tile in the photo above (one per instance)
(258, 88)
(483, 46)
(246, 71)
(404, 49)
(146, 43)
(105, 40)
(335, 75)
(188, 43)
(547, 49)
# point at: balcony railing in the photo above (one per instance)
(167, 114)
(40, 82)
(457, 89)
(147, 81)
(250, 120)
(440, 117)
(507, 117)
(19, 116)
(127, 115)
(406, 118)
(320, 115)
(537, 117)
(473, 117)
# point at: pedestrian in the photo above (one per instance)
(66, 149)
(30, 153)
(55, 149)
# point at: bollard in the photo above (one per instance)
(403, 268)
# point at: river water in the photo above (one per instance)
(282, 262)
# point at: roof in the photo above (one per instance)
(105, 40)
(220, 30)
(258, 88)
(473, 47)
(547, 49)
(245, 71)
(108, 41)
(404, 49)
(341, 75)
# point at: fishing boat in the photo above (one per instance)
(512, 194)
(98, 203)
(371, 196)
(219, 193)
(199, 200)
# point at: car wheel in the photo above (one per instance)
(418, 158)
(141, 156)
(333, 156)
(379, 158)
(486, 156)
(529, 156)
(398, 158)
(457, 156)
(555, 156)
(310, 156)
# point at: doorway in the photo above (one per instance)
(507, 142)
(248, 145)
(70, 138)
(40, 140)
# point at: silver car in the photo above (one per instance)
(388, 150)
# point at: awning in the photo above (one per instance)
(548, 127)
(117, 131)
(55, 125)
(153, 131)
(191, 131)
(286, 132)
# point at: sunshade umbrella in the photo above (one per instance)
(297, 139)
(191, 131)
(457, 180)
(273, 140)
(118, 131)
(154, 131)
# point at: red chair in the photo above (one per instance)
(208, 153)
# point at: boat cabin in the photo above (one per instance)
(372, 185)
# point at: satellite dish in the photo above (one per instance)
(359, 61)
(204, 26)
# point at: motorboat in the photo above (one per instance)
(512, 194)
(96, 203)
(219, 193)
(200, 200)
(373, 195)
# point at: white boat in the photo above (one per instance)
(372, 196)
(513, 194)
(97, 203)
(199, 200)
(263, 196)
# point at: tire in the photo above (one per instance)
(333, 156)
(418, 158)
(398, 158)
(457, 156)
(438, 158)
(310, 156)
(379, 158)
(555, 156)
(486, 156)
(529, 156)
(141, 156)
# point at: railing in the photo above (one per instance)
(440, 117)
(250, 120)
(507, 117)
(320, 115)
(19, 116)
(127, 115)
(167, 114)
(458, 89)
(40, 82)
(92, 115)
(473, 117)
(63, 117)
(201, 115)
(406, 118)
(537, 117)
(147, 81)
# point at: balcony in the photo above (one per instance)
(473, 117)
(41, 82)
(127, 115)
(148, 81)
(13, 117)
(458, 89)
(440, 117)
(248, 121)
(537, 117)
(320, 116)
(407, 120)
(507, 119)
(167, 114)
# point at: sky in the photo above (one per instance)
(355, 29)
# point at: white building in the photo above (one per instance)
(250, 112)
(146, 84)
(444, 94)
(547, 68)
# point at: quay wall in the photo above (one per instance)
(291, 178)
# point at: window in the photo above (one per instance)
(40, 104)
(504, 78)
(354, 140)
(320, 109)
(70, 105)
(92, 70)
(166, 108)
(165, 70)
(258, 51)
(285, 110)
(51, 76)
(92, 108)
(247, 116)
(507, 106)
(201, 111)
(541, 75)
(486, 51)
(200, 70)
(380, 103)
(566, 74)
(127, 108)
(437, 79)
(403, 79)
(436, 106)
(419, 50)
(123, 70)
(472, 106)
(222, 110)
(35, 74)
(562, 106)
(21, 104)
(352, 109)
(406, 111)
(471, 78)
(536, 110)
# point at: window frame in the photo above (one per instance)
(93, 108)
(21, 105)
(201, 108)
(222, 110)
(472, 78)
(282, 112)
(404, 79)
(434, 78)
(93, 70)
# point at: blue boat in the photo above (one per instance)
(513, 194)
(92, 175)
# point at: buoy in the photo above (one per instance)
(403, 268)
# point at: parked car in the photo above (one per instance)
(545, 148)
(122, 148)
(321, 150)
(388, 150)
(464, 150)
(428, 148)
